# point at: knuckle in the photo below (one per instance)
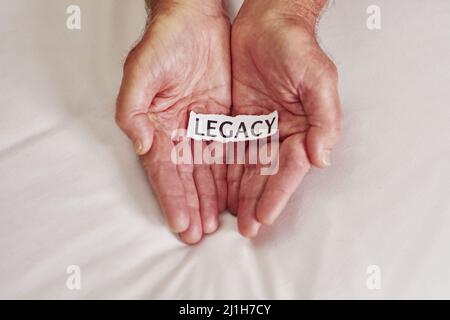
(121, 120)
(326, 72)
(329, 76)
(118, 120)
(335, 131)
(134, 60)
(129, 63)
(332, 124)
(332, 70)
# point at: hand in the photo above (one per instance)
(278, 65)
(181, 64)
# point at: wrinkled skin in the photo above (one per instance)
(277, 64)
(181, 64)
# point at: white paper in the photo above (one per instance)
(222, 128)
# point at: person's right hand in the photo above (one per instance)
(181, 64)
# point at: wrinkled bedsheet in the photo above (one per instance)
(72, 192)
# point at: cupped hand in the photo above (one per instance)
(278, 65)
(181, 64)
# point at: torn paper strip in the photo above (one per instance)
(218, 127)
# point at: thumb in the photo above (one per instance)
(140, 131)
(137, 91)
(322, 108)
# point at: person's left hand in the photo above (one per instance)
(278, 65)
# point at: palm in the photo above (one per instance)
(192, 65)
(274, 68)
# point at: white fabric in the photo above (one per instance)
(73, 193)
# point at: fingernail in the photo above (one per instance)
(210, 226)
(180, 225)
(326, 157)
(137, 147)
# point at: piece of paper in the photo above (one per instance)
(222, 128)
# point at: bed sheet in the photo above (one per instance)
(73, 194)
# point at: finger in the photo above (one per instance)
(252, 186)
(206, 189)
(234, 175)
(293, 165)
(138, 88)
(193, 233)
(219, 171)
(163, 176)
(322, 108)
